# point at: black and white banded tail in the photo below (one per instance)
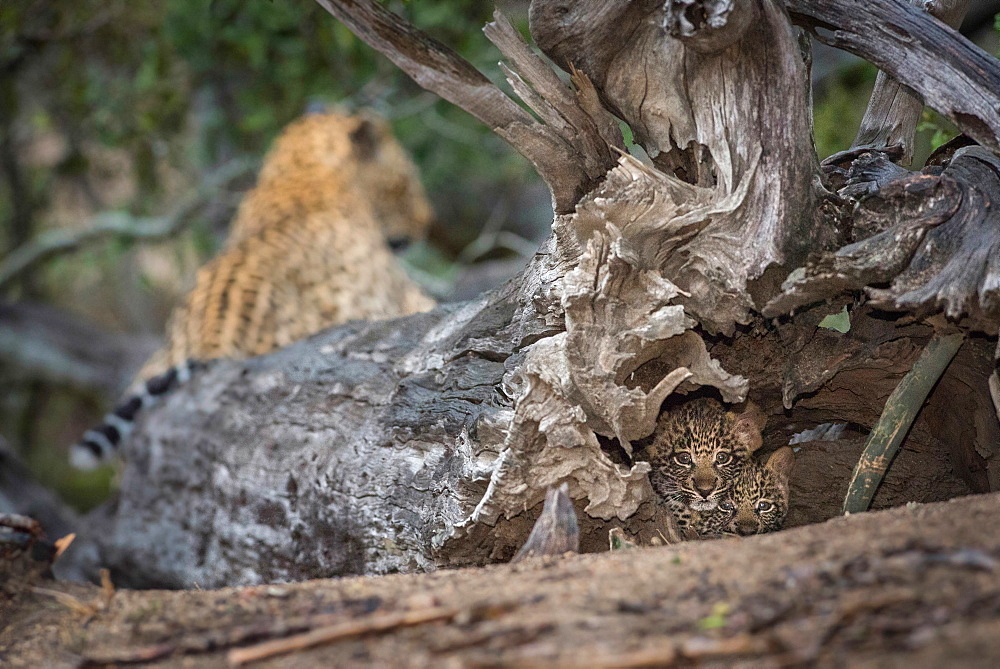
(100, 444)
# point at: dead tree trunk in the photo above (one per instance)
(430, 441)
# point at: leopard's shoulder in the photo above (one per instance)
(310, 245)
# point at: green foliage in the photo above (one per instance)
(619, 541)
(718, 618)
(936, 128)
(627, 135)
(840, 106)
(196, 82)
(840, 321)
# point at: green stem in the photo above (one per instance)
(900, 409)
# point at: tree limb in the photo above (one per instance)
(934, 239)
(950, 73)
(430, 441)
(118, 224)
(559, 154)
(43, 343)
(894, 110)
(900, 410)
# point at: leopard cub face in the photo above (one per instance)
(756, 502)
(696, 452)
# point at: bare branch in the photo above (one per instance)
(431, 64)
(894, 110)
(950, 73)
(41, 342)
(900, 410)
(559, 154)
(118, 224)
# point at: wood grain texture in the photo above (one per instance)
(894, 109)
(951, 74)
(560, 158)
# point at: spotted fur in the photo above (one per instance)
(311, 247)
(756, 502)
(696, 452)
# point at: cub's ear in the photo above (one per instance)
(747, 431)
(781, 462)
(366, 137)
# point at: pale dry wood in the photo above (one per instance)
(556, 531)
(587, 342)
(728, 204)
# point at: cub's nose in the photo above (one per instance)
(745, 527)
(704, 489)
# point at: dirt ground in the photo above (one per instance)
(917, 586)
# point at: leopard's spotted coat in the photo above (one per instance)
(696, 452)
(309, 246)
(756, 502)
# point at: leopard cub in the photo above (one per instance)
(696, 452)
(756, 502)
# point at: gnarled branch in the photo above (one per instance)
(950, 73)
(562, 152)
(118, 225)
(894, 110)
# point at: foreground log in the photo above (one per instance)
(430, 441)
(912, 586)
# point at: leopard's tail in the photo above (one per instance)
(100, 444)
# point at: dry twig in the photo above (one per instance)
(337, 632)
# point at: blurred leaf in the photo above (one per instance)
(717, 619)
(840, 321)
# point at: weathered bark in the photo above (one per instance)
(570, 149)
(934, 238)
(430, 441)
(952, 75)
(728, 204)
(894, 109)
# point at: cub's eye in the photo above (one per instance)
(683, 458)
(722, 458)
(764, 506)
(726, 505)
